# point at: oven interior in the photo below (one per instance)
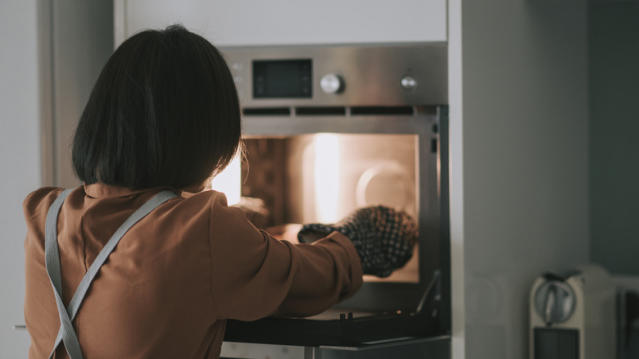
(282, 182)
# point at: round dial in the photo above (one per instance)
(408, 82)
(555, 301)
(332, 83)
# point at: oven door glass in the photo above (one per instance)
(285, 181)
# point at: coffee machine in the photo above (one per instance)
(573, 316)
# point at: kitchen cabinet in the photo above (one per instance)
(422, 348)
(52, 54)
(518, 160)
(19, 160)
(250, 22)
(518, 126)
(518, 130)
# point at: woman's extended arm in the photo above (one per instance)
(255, 275)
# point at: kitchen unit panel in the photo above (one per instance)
(243, 22)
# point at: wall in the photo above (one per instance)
(82, 41)
(614, 124)
(52, 52)
(19, 158)
(614, 129)
(525, 163)
(244, 22)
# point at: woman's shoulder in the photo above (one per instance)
(211, 197)
(218, 210)
(39, 199)
(36, 206)
(42, 198)
(203, 204)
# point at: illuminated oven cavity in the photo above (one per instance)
(286, 181)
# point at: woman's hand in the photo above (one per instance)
(383, 237)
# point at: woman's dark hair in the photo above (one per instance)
(164, 112)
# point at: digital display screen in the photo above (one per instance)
(282, 78)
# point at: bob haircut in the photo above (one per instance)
(164, 112)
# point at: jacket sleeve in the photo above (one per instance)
(255, 275)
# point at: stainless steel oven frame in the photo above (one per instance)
(407, 77)
(428, 123)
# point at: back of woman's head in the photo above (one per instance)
(164, 112)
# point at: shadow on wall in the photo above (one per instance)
(614, 149)
(614, 125)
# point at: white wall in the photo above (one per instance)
(525, 165)
(19, 158)
(82, 42)
(244, 22)
(46, 72)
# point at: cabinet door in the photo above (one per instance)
(19, 160)
(252, 22)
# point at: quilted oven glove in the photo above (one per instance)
(383, 237)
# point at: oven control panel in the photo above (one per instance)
(344, 75)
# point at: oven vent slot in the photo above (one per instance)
(320, 111)
(266, 111)
(330, 111)
(381, 110)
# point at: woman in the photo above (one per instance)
(163, 118)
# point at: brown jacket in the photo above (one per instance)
(175, 277)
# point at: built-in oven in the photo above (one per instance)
(328, 129)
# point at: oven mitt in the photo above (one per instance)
(383, 237)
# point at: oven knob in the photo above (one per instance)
(408, 82)
(332, 83)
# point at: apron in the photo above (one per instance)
(66, 332)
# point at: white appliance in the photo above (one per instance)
(573, 316)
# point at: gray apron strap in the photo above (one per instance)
(67, 333)
(52, 261)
